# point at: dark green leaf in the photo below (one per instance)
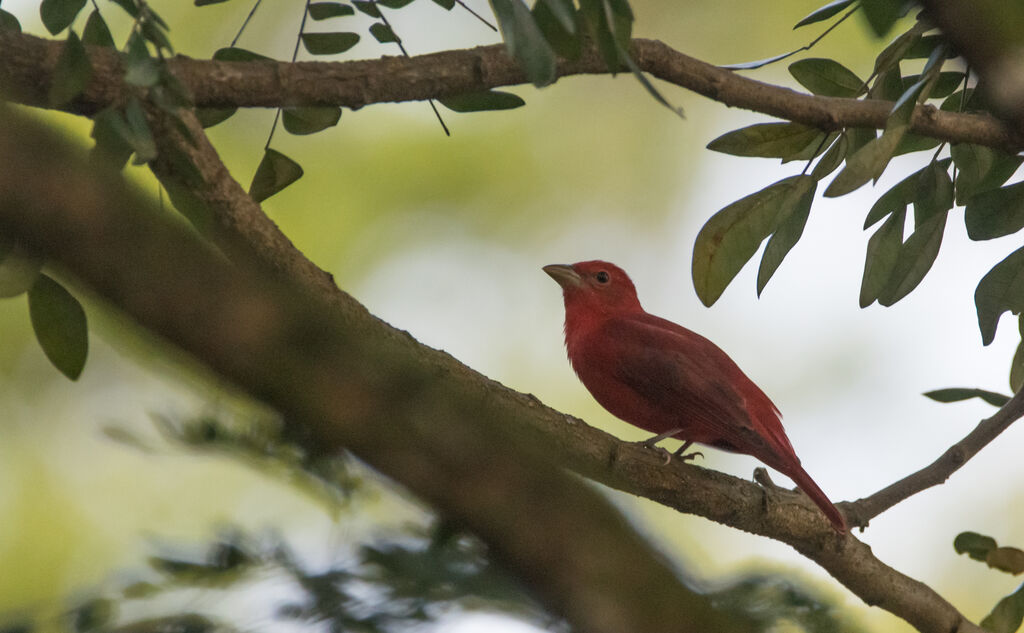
(1017, 366)
(915, 260)
(945, 85)
(59, 323)
(112, 134)
(732, 236)
(995, 213)
(480, 101)
(648, 86)
(93, 614)
(899, 47)
(826, 77)
(8, 22)
(793, 215)
(203, 3)
(235, 54)
(325, 10)
(275, 172)
(900, 195)
(823, 13)
(309, 120)
(19, 269)
(329, 43)
(957, 394)
(130, 7)
(915, 143)
(1008, 559)
(567, 43)
(58, 15)
(563, 11)
(832, 158)
(882, 253)
(141, 69)
(858, 137)
(769, 140)
(813, 148)
(367, 7)
(1007, 615)
(761, 62)
(923, 47)
(383, 33)
(447, 4)
(975, 545)
(866, 164)
(525, 41)
(394, 4)
(888, 85)
(1001, 289)
(610, 29)
(71, 74)
(980, 169)
(96, 31)
(209, 117)
(141, 138)
(881, 14)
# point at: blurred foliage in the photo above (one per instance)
(1008, 614)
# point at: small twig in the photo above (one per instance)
(863, 510)
(805, 47)
(252, 12)
(476, 15)
(295, 55)
(816, 153)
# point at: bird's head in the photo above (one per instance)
(595, 286)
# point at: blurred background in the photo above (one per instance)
(445, 237)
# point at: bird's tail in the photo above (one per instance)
(805, 483)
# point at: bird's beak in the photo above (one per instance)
(564, 275)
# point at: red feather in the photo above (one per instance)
(660, 376)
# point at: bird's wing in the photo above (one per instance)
(696, 382)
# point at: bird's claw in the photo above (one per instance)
(653, 446)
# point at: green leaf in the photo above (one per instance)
(562, 10)
(915, 143)
(823, 13)
(329, 43)
(480, 101)
(945, 85)
(761, 62)
(610, 29)
(888, 85)
(383, 33)
(326, 10)
(858, 137)
(1017, 369)
(1007, 615)
(525, 41)
(1001, 289)
(881, 14)
(203, 3)
(900, 195)
(96, 32)
(111, 133)
(768, 140)
(140, 138)
(899, 48)
(8, 22)
(832, 159)
(235, 54)
(866, 164)
(792, 219)
(995, 213)
(209, 117)
(367, 7)
(732, 236)
(275, 172)
(71, 74)
(60, 326)
(448, 5)
(141, 69)
(308, 120)
(394, 4)
(981, 169)
(923, 47)
(975, 545)
(567, 43)
(19, 269)
(58, 15)
(882, 254)
(1008, 559)
(957, 394)
(826, 77)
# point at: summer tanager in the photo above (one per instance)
(664, 378)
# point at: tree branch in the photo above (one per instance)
(863, 510)
(28, 62)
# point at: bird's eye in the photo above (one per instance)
(602, 277)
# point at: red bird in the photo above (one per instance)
(664, 378)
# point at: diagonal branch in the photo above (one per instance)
(27, 64)
(863, 510)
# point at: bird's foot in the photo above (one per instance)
(688, 457)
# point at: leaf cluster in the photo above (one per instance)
(1008, 614)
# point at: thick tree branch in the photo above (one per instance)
(28, 62)
(440, 436)
(863, 510)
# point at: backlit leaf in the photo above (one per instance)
(1000, 290)
(866, 164)
(832, 159)
(60, 326)
(329, 43)
(981, 169)
(881, 14)
(563, 11)
(275, 172)
(769, 140)
(957, 394)
(826, 77)
(566, 42)
(899, 196)
(732, 236)
(793, 215)
(975, 545)
(481, 101)
(995, 213)
(882, 254)
(309, 120)
(141, 137)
